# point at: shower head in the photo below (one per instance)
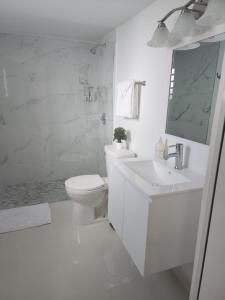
(93, 50)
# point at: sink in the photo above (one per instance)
(155, 173)
(156, 178)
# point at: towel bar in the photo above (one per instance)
(141, 82)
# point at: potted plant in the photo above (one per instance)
(120, 137)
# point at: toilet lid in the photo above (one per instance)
(85, 182)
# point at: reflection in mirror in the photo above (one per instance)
(194, 81)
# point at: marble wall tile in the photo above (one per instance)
(48, 131)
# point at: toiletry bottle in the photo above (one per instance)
(159, 149)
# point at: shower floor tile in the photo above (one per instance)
(32, 193)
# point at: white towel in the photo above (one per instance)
(14, 219)
(127, 99)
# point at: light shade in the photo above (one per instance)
(215, 39)
(189, 47)
(214, 14)
(185, 25)
(160, 37)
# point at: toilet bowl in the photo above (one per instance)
(88, 193)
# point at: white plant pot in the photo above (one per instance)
(121, 145)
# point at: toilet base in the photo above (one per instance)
(85, 215)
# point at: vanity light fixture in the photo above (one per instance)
(160, 36)
(214, 39)
(189, 47)
(185, 26)
(214, 14)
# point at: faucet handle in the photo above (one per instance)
(165, 152)
(178, 145)
(178, 154)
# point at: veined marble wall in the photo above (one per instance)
(48, 131)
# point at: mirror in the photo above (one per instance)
(194, 82)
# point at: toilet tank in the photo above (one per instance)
(111, 153)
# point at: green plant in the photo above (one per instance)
(119, 134)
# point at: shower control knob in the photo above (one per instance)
(103, 118)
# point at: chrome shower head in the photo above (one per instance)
(93, 50)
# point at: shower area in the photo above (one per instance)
(56, 110)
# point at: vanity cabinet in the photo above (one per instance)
(160, 232)
(128, 211)
(135, 225)
(116, 199)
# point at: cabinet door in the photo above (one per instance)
(116, 199)
(135, 226)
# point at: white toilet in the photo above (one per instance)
(89, 192)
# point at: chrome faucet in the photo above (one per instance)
(178, 156)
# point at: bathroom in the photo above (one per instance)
(58, 109)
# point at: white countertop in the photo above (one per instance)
(196, 180)
(121, 153)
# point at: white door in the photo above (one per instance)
(116, 199)
(213, 277)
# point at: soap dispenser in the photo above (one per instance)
(159, 149)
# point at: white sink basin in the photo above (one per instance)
(155, 173)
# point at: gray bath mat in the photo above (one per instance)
(14, 219)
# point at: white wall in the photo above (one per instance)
(134, 60)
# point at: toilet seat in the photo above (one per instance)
(85, 183)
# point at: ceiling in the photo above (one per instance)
(81, 19)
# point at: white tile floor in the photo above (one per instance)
(62, 262)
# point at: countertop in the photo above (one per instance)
(196, 180)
